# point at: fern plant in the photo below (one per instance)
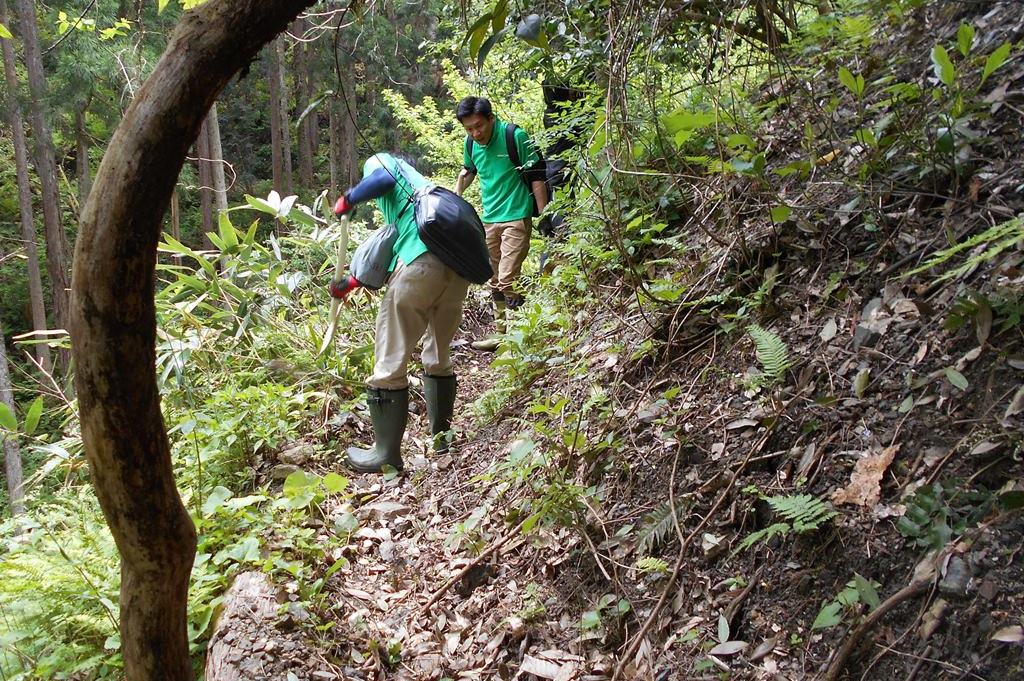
(992, 242)
(771, 352)
(656, 526)
(801, 513)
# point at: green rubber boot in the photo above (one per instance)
(491, 343)
(389, 411)
(439, 392)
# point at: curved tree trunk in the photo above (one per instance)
(205, 167)
(113, 323)
(12, 453)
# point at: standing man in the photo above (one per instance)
(509, 204)
(424, 296)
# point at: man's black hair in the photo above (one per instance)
(473, 105)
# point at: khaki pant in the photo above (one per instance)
(508, 244)
(425, 296)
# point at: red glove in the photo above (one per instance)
(340, 288)
(343, 206)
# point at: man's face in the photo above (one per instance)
(479, 127)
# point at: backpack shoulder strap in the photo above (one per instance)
(469, 152)
(510, 144)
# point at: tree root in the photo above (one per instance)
(853, 640)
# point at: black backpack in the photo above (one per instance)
(550, 172)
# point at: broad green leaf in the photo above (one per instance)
(478, 36)
(477, 25)
(956, 378)
(261, 205)
(335, 483)
(965, 38)
(860, 382)
(591, 619)
(486, 47)
(227, 232)
(499, 15)
(829, 616)
(723, 629)
(906, 405)
(4, 33)
(850, 81)
(298, 481)
(7, 418)
(780, 214)
(32, 416)
(160, 5)
(217, 497)
(944, 69)
(995, 60)
(866, 590)
(687, 120)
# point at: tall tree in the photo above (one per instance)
(12, 454)
(280, 144)
(113, 323)
(82, 169)
(28, 227)
(205, 167)
(220, 190)
(301, 78)
(56, 240)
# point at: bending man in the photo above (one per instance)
(424, 296)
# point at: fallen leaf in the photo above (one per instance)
(767, 646)
(865, 488)
(539, 667)
(740, 423)
(1016, 405)
(1014, 634)
(728, 648)
(829, 331)
(860, 383)
(983, 447)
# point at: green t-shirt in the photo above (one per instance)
(397, 206)
(502, 190)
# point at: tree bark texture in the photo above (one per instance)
(113, 323)
(56, 240)
(205, 168)
(220, 187)
(12, 454)
(28, 227)
(82, 157)
(280, 146)
(300, 69)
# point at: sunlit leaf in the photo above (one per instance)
(943, 67)
(995, 60)
(4, 33)
(486, 47)
(965, 38)
(956, 378)
(7, 418)
(32, 416)
(829, 616)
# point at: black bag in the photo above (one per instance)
(452, 230)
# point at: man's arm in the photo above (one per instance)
(540, 193)
(465, 179)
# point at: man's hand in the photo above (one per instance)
(343, 206)
(340, 288)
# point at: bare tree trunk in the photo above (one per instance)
(56, 240)
(113, 323)
(12, 454)
(280, 146)
(202, 147)
(82, 157)
(300, 69)
(176, 223)
(334, 139)
(28, 227)
(220, 192)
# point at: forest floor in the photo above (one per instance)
(900, 405)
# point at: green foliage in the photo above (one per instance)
(656, 527)
(802, 513)
(771, 353)
(939, 512)
(983, 247)
(857, 590)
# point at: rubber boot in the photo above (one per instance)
(439, 392)
(389, 411)
(491, 343)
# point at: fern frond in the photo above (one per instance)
(771, 351)
(805, 512)
(655, 528)
(995, 239)
(776, 530)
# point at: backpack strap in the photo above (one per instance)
(510, 144)
(469, 153)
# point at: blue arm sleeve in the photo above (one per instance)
(373, 186)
